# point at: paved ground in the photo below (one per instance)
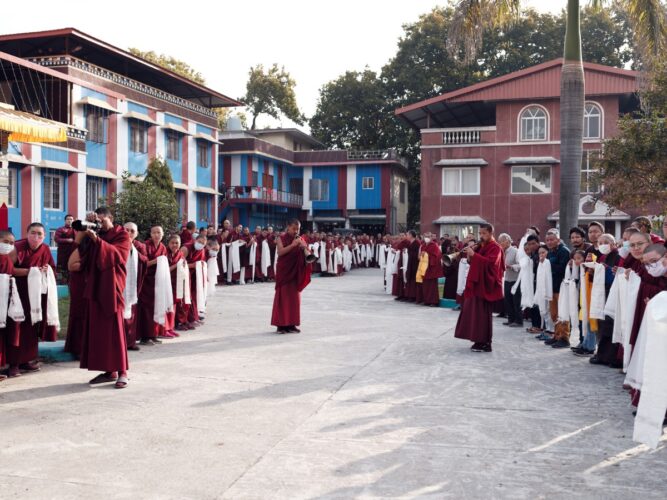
(373, 399)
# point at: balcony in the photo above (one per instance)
(263, 194)
(466, 135)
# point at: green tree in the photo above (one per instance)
(271, 92)
(171, 63)
(148, 202)
(474, 18)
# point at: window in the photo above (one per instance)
(533, 124)
(319, 190)
(53, 192)
(173, 146)
(460, 181)
(592, 121)
(368, 183)
(401, 192)
(52, 239)
(255, 178)
(94, 193)
(589, 170)
(138, 137)
(202, 208)
(531, 179)
(96, 123)
(203, 159)
(12, 188)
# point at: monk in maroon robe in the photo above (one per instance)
(104, 256)
(174, 256)
(194, 252)
(142, 259)
(292, 276)
(433, 272)
(398, 283)
(147, 330)
(9, 335)
(64, 239)
(77, 307)
(483, 287)
(187, 235)
(224, 237)
(410, 288)
(244, 255)
(30, 252)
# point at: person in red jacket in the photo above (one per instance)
(483, 287)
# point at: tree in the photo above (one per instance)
(148, 202)
(271, 92)
(171, 63)
(633, 169)
(474, 17)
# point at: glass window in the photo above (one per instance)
(52, 239)
(368, 183)
(460, 181)
(53, 192)
(531, 179)
(173, 146)
(12, 188)
(533, 124)
(94, 193)
(202, 207)
(319, 190)
(592, 122)
(589, 170)
(401, 192)
(138, 137)
(96, 124)
(203, 157)
(255, 178)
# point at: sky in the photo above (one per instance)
(315, 40)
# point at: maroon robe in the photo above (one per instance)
(410, 288)
(65, 249)
(131, 323)
(180, 311)
(194, 256)
(292, 276)
(398, 283)
(77, 309)
(483, 287)
(222, 277)
(9, 335)
(104, 347)
(433, 273)
(146, 327)
(451, 283)
(186, 237)
(27, 349)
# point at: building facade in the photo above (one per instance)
(120, 111)
(270, 176)
(490, 152)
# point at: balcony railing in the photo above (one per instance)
(464, 135)
(263, 194)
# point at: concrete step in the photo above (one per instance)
(53, 351)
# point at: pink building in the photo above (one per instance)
(490, 151)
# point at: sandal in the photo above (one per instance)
(121, 383)
(14, 372)
(3, 377)
(103, 378)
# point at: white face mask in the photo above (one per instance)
(427, 240)
(624, 251)
(656, 269)
(605, 249)
(198, 246)
(6, 248)
(212, 253)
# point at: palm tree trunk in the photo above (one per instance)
(571, 121)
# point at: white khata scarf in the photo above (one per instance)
(130, 292)
(525, 279)
(43, 283)
(200, 281)
(266, 257)
(382, 256)
(462, 276)
(621, 305)
(543, 287)
(164, 299)
(598, 293)
(323, 258)
(212, 275)
(183, 282)
(404, 261)
(568, 302)
(223, 257)
(234, 256)
(10, 302)
(253, 259)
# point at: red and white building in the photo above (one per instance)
(490, 151)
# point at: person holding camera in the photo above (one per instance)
(103, 249)
(292, 276)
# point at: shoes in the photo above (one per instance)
(543, 336)
(29, 367)
(506, 323)
(576, 348)
(133, 348)
(147, 342)
(583, 352)
(282, 329)
(596, 361)
(551, 341)
(293, 329)
(481, 348)
(515, 325)
(560, 344)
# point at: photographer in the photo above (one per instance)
(104, 251)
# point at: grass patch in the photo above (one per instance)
(63, 311)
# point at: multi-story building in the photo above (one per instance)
(119, 112)
(275, 174)
(490, 151)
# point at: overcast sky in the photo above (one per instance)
(315, 40)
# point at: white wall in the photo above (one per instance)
(351, 187)
(307, 175)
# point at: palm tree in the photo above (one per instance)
(474, 17)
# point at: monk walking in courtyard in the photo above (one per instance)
(292, 276)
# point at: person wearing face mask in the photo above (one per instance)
(64, 239)
(595, 230)
(104, 256)
(433, 271)
(9, 333)
(212, 251)
(624, 246)
(607, 351)
(136, 271)
(147, 329)
(194, 252)
(28, 253)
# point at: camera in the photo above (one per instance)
(84, 225)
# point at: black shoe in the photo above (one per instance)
(481, 348)
(515, 325)
(561, 344)
(584, 353)
(506, 323)
(550, 341)
(147, 342)
(596, 361)
(134, 348)
(616, 364)
(576, 347)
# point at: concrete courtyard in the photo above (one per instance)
(373, 399)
